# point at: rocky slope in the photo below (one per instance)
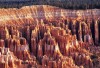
(49, 37)
(68, 4)
(31, 13)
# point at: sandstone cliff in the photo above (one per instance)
(28, 14)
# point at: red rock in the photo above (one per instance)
(52, 39)
(33, 46)
(2, 44)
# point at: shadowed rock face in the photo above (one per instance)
(49, 37)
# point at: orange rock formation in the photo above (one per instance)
(49, 37)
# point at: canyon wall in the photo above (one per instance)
(44, 12)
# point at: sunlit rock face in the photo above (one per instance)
(29, 14)
(49, 37)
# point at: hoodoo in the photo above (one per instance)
(44, 36)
